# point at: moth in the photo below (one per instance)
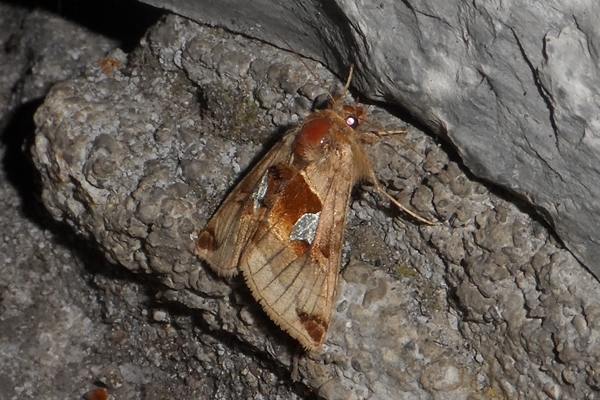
(282, 225)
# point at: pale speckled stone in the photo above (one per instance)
(334, 389)
(441, 376)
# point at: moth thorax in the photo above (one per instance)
(309, 139)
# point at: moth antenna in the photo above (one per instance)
(289, 48)
(345, 88)
(347, 85)
(400, 206)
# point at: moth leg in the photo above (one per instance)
(400, 206)
(295, 374)
(391, 132)
(373, 179)
(372, 137)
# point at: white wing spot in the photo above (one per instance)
(261, 190)
(306, 227)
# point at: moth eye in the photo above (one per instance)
(352, 122)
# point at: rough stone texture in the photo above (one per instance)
(29, 66)
(135, 154)
(513, 85)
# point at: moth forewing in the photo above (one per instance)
(222, 240)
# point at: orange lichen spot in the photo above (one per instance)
(108, 64)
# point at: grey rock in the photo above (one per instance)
(39, 49)
(511, 85)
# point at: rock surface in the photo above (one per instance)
(512, 85)
(136, 153)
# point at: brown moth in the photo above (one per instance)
(282, 225)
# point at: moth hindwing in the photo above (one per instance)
(282, 225)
